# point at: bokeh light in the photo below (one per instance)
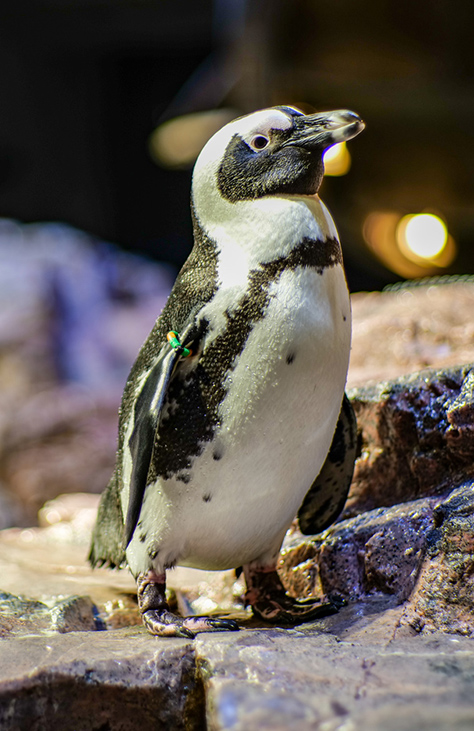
(424, 235)
(414, 245)
(337, 160)
(177, 142)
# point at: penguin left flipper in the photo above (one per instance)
(147, 412)
(327, 495)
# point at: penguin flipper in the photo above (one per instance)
(146, 417)
(326, 497)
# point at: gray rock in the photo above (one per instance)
(336, 675)
(23, 616)
(119, 680)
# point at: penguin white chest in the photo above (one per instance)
(276, 423)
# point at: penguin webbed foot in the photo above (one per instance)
(157, 618)
(164, 623)
(270, 602)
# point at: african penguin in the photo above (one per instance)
(234, 419)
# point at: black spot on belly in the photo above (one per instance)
(207, 498)
(290, 358)
(184, 477)
(153, 554)
(142, 538)
(217, 455)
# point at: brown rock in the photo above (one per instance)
(378, 552)
(417, 437)
(416, 327)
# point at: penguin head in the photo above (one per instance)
(276, 151)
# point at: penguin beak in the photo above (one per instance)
(320, 131)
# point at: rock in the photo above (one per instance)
(422, 325)
(22, 616)
(380, 551)
(444, 594)
(421, 551)
(354, 670)
(119, 680)
(349, 671)
(417, 437)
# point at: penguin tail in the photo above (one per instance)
(106, 546)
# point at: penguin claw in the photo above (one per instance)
(165, 624)
(292, 612)
(211, 624)
(157, 618)
(270, 602)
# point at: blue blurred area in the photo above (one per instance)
(95, 302)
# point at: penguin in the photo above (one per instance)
(234, 419)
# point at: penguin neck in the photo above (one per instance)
(250, 233)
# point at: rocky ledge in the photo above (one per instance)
(404, 639)
(355, 670)
(399, 654)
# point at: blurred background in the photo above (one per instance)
(105, 105)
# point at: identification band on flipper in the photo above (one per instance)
(173, 339)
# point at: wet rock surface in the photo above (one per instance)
(121, 679)
(384, 661)
(354, 670)
(420, 553)
(417, 437)
(348, 671)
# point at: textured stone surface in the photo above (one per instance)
(358, 670)
(22, 616)
(400, 332)
(421, 551)
(350, 671)
(380, 551)
(444, 595)
(417, 437)
(118, 680)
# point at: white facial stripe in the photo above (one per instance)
(247, 127)
(263, 122)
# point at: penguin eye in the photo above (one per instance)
(259, 142)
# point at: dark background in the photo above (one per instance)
(83, 83)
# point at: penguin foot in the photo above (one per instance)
(270, 602)
(166, 624)
(157, 618)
